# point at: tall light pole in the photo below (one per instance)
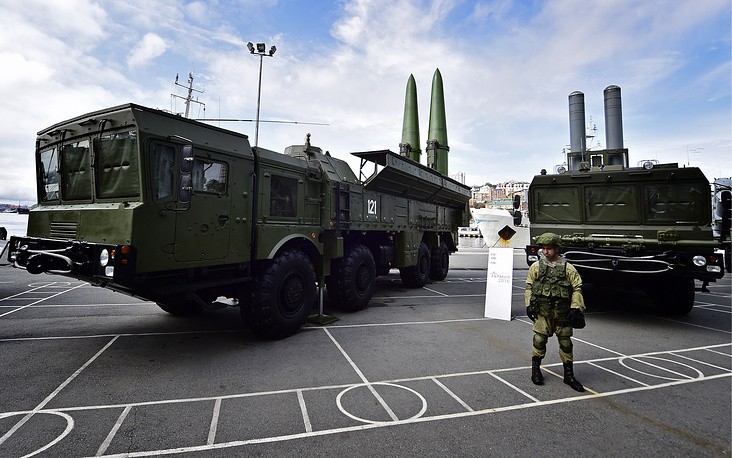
(260, 51)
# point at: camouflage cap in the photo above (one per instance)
(549, 238)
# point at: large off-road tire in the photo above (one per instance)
(418, 275)
(440, 262)
(675, 297)
(179, 305)
(283, 296)
(352, 280)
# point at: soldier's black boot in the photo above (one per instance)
(570, 380)
(536, 375)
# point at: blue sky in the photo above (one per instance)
(508, 68)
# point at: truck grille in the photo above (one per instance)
(63, 230)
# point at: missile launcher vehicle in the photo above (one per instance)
(192, 217)
(645, 227)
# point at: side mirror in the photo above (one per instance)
(517, 217)
(186, 189)
(516, 201)
(186, 159)
(725, 203)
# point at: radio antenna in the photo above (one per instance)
(189, 98)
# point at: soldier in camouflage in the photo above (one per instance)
(554, 303)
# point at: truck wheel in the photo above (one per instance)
(283, 298)
(440, 262)
(178, 305)
(675, 298)
(417, 276)
(353, 279)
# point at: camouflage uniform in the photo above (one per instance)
(553, 298)
(551, 290)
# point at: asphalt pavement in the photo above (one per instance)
(420, 372)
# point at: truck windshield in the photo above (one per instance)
(677, 202)
(48, 175)
(66, 171)
(117, 169)
(76, 171)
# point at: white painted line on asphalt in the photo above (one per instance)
(718, 352)
(700, 362)
(642, 360)
(618, 374)
(714, 307)
(40, 306)
(414, 419)
(54, 393)
(64, 433)
(214, 422)
(40, 300)
(402, 323)
(598, 346)
(113, 432)
(362, 377)
(453, 395)
(694, 325)
(25, 292)
(327, 432)
(436, 292)
(304, 410)
(134, 334)
(514, 387)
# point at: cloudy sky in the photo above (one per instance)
(508, 67)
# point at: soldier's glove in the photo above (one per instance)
(531, 313)
(574, 316)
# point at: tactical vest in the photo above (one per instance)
(552, 288)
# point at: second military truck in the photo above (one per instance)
(182, 213)
(646, 227)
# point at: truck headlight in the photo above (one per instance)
(699, 261)
(104, 258)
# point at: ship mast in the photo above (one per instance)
(189, 98)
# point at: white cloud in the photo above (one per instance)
(150, 47)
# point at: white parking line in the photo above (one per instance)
(309, 432)
(367, 426)
(304, 410)
(453, 395)
(363, 377)
(113, 432)
(54, 393)
(214, 422)
(36, 302)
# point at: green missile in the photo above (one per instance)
(409, 147)
(437, 136)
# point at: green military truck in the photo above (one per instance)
(645, 227)
(183, 213)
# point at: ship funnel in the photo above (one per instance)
(577, 135)
(437, 135)
(409, 147)
(613, 118)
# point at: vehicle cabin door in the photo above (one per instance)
(203, 231)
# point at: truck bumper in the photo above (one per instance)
(95, 263)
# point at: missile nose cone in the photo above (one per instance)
(409, 146)
(438, 121)
(437, 147)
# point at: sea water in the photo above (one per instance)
(14, 223)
